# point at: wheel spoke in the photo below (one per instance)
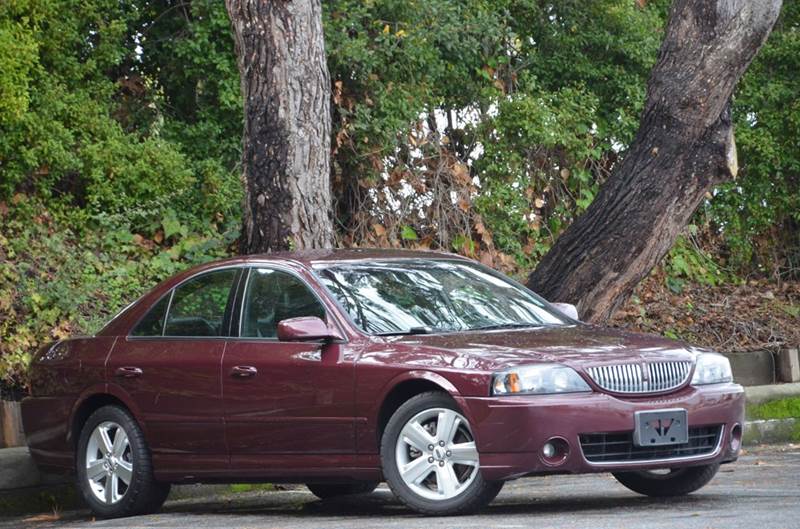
(415, 435)
(124, 471)
(114, 486)
(95, 470)
(446, 426)
(102, 440)
(108, 492)
(446, 480)
(120, 443)
(464, 454)
(417, 470)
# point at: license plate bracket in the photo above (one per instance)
(661, 427)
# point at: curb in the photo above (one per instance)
(771, 431)
(762, 394)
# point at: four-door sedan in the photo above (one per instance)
(339, 369)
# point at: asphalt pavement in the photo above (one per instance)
(761, 491)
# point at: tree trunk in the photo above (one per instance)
(287, 123)
(684, 147)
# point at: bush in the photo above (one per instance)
(64, 275)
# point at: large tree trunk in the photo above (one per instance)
(683, 148)
(287, 123)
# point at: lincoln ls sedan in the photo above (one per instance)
(340, 369)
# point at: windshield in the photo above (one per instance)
(421, 296)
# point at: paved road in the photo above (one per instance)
(761, 491)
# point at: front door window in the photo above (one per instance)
(273, 296)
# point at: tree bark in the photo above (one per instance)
(684, 147)
(287, 124)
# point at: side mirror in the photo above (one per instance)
(567, 309)
(306, 328)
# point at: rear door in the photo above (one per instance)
(284, 398)
(170, 366)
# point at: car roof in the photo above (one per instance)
(309, 258)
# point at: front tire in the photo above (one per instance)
(674, 482)
(430, 460)
(114, 468)
(326, 491)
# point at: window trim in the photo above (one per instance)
(330, 315)
(239, 269)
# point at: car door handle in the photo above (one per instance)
(128, 372)
(244, 371)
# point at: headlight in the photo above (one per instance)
(538, 380)
(711, 368)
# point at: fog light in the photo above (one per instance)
(554, 451)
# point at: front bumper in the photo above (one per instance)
(510, 431)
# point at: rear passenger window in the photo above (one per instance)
(273, 296)
(198, 306)
(153, 322)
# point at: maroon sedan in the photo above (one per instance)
(343, 368)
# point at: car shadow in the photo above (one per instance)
(383, 503)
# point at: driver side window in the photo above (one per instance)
(273, 296)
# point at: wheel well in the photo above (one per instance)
(87, 407)
(400, 394)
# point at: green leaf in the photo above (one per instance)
(407, 233)
(172, 226)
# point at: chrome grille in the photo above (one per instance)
(629, 378)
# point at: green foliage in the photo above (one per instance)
(688, 261)
(120, 126)
(788, 408)
(59, 282)
(392, 60)
(18, 55)
(120, 131)
(238, 488)
(760, 211)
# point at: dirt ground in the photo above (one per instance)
(751, 316)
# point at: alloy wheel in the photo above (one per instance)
(109, 463)
(436, 454)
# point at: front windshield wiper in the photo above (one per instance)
(412, 330)
(508, 325)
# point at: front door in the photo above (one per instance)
(284, 398)
(170, 366)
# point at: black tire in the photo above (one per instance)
(678, 482)
(326, 491)
(477, 495)
(143, 495)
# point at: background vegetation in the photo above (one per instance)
(476, 126)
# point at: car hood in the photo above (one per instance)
(577, 346)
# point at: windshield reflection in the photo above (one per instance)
(419, 296)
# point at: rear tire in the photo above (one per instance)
(326, 491)
(114, 468)
(678, 482)
(437, 472)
